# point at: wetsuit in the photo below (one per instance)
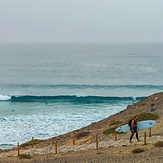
(133, 129)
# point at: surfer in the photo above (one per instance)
(133, 129)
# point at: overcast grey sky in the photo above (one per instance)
(81, 20)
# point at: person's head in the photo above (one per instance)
(136, 118)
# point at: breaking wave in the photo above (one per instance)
(67, 98)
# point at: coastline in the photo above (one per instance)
(109, 149)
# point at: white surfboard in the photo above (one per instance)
(140, 126)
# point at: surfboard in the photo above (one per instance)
(140, 126)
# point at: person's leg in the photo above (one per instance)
(131, 136)
(137, 136)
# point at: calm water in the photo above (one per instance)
(51, 89)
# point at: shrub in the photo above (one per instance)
(115, 122)
(35, 141)
(82, 134)
(25, 156)
(147, 116)
(159, 144)
(137, 150)
(109, 131)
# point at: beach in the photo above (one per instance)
(72, 76)
(81, 145)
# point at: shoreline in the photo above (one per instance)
(108, 148)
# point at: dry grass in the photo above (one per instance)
(25, 156)
(137, 150)
(147, 116)
(159, 144)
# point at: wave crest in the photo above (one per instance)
(72, 99)
(4, 98)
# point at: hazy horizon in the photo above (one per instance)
(81, 21)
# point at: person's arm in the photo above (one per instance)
(132, 125)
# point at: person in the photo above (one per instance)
(133, 128)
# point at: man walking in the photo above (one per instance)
(133, 128)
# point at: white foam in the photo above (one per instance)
(48, 121)
(4, 98)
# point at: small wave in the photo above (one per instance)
(5, 146)
(2, 119)
(82, 86)
(4, 98)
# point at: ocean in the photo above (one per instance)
(48, 89)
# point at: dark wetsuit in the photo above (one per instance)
(133, 129)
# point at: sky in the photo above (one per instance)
(81, 21)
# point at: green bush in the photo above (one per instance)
(147, 116)
(159, 144)
(144, 116)
(137, 150)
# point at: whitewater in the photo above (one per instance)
(48, 89)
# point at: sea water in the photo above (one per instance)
(48, 89)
